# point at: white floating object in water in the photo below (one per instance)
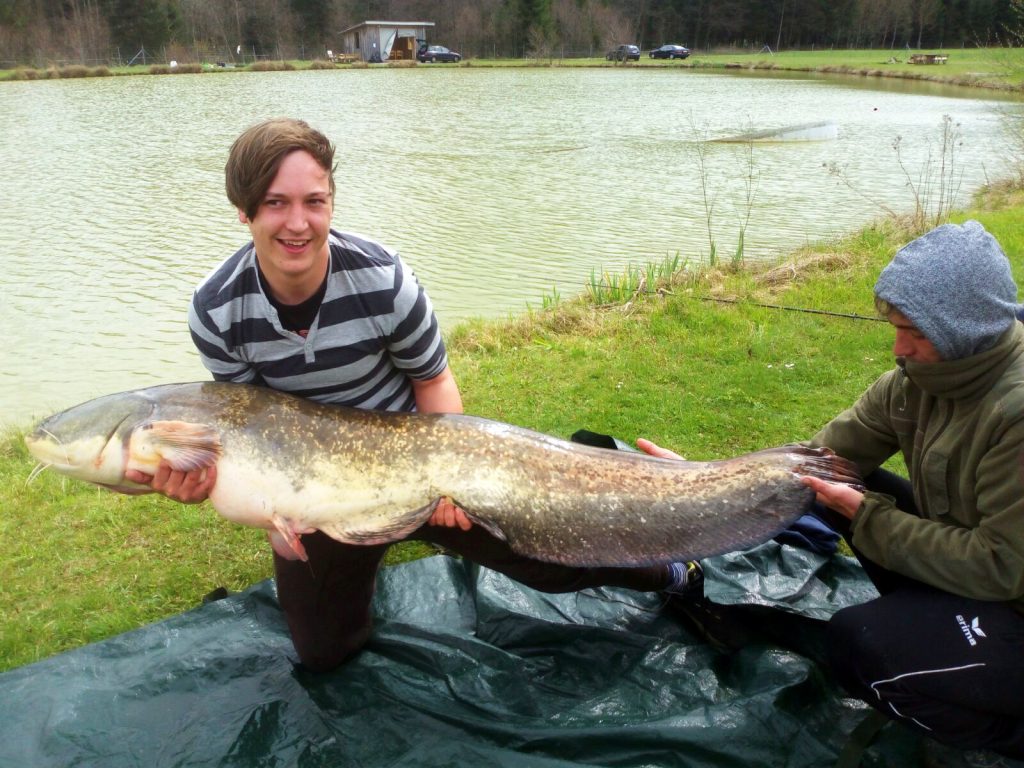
(823, 131)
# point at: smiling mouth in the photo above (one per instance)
(294, 243)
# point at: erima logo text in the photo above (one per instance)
(971, 631)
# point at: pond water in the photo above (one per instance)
(497, 185)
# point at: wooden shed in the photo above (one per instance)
(385, 40)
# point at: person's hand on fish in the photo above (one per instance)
(190, 487)
(656, 450)
(448, 515)
(844, 499)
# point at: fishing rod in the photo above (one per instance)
(848, 315)
(763, 305)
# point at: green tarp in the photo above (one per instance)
(465, 668)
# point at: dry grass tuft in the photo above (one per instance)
(73, 71)
(802, 266)
(271, 66)
(577, 317)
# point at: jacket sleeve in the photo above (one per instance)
(865, 433)
(982, 560)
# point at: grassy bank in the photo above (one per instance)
(710, 365)
(1001, 68)
(994, 68)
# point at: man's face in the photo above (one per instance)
(910, 343)
(291, 226)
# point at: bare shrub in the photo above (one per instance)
(271, 66)
(72, 71)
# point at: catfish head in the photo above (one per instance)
(99, 440)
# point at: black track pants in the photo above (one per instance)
(949, 666)
(326, 601)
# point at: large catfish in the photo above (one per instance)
(367, 477)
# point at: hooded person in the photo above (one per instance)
(940, 650)
(954, 284)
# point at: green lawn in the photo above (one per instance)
(709, 378)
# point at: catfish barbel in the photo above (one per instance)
(372, 477)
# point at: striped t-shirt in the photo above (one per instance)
(375, 330)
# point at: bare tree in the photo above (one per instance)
(86, 31)
(924, 12)
(613, 25)
(884, 18)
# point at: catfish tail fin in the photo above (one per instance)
(825, 464)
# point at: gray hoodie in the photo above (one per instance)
(954, 284)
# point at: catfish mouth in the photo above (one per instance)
(50, 449)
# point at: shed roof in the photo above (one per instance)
(389, 24)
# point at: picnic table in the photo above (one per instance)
(928, 58)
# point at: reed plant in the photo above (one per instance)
(934, 185)
(749, 174)
(608, 288)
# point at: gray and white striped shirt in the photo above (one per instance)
(374, 332)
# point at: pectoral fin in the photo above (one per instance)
(291, 539)
(185, 446)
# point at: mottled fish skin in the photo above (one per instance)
(370, 477)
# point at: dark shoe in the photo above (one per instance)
(217, 594)
(722, 626)
(687, 580)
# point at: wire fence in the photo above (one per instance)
(200, 54)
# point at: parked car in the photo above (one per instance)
(670, 52)
(624, 53)
(433, 53)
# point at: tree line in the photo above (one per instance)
(43, 32)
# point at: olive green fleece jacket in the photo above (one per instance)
(960, 428)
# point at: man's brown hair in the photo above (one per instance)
(256, 157)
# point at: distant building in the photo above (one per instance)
(385, 40)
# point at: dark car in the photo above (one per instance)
(433, 53)
(670, 52)
(624, 53)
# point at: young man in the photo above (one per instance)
(336, 318)
(942, 649)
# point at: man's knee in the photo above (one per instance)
(853, 652)
(324, 653)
